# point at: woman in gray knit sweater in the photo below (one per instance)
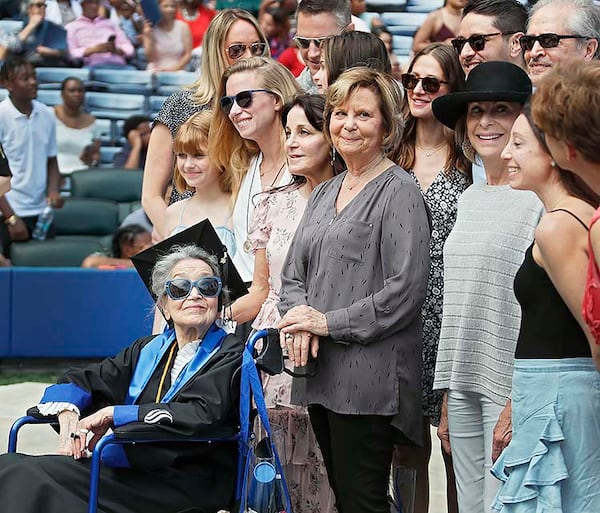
(481, 316)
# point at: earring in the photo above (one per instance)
(552, 163)
(332, 157)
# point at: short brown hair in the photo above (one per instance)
(566, 106)
(390, 98)
(192, 138)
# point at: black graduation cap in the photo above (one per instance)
(204, 236)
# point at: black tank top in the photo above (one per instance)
(548, 328)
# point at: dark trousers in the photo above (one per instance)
(357, 452)
(30, 222)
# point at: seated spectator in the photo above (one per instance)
(96, 40)
(440, 26)
(130, 21)
(276, 25)
(76, 129)
(62, 12)
(292, 60)
(126, 242)
(137, 132)
(168, 44)
(197, 16)
(43, 42)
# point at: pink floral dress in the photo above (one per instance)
(272, 228)
(591, 296)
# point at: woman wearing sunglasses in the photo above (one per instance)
(441, 170)
(480, 320)
(555, 387)
(233, 34)
(178, 382)
(247, 138)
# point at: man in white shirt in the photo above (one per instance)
(317, 20)
(28, 136)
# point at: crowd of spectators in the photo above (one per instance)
(401, 229)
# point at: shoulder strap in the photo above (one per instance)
(572, 215)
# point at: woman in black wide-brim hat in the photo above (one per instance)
(481, 316)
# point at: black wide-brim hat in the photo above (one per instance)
(202, 235)
(490, 81)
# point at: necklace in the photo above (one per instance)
(363, 174)
(430, 151)
(276, 176)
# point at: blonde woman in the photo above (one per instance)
(232, 35)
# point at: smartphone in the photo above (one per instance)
(111, 38)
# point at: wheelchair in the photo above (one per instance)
(269, 360)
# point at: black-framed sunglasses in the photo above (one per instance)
(236, 50)
(180, 288)
(430, 85)
(476, 42)
(243, 99)
(304, 42)
(548, 40)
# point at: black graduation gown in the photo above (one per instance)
(163, 478)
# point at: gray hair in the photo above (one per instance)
(339, 9)
(583, 20)
(164, 266)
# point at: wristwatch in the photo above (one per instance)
(11, 220)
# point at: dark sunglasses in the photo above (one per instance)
(545, 40)
(236, 50)
(429, 84)
(243, 99)
(180, 288)
(476, 42)
(304, 42)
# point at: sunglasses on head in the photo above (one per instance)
(236, 50)
(429, 84)
(476, 42)
(304, 42)
(180, 288)
(545, 40)
(243, 99)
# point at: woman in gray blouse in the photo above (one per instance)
(352, 288)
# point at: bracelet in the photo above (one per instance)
(11, 220)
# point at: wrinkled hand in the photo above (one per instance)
(502, 431)
(298, 345)
(18, 231)
(443, 432)
(304, 318)
(67, 420)
(97, 424)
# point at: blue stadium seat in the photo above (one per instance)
(107, 155)
(385, 5)
(402, 45)
(50, 97)
(51, 78)
(423, 6)
(123, 81)
(414, 19)
(167, 82)
(154, 105)
(115, 105)
(104, 128)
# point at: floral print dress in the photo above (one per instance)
(441, 198)
(272, 228)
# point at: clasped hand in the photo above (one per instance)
(300, 330)
(77, 437)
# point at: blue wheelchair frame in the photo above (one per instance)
(114, 438)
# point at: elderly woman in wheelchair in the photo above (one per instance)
(178, 383)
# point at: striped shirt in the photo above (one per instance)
(481, 316)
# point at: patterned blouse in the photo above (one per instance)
(441, 198)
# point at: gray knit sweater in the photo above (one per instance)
(481, 318)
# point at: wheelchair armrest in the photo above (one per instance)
(141, 432)
(27, 419)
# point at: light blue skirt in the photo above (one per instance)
(552, 464)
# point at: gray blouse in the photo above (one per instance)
(366, 268)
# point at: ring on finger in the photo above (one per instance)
(289, 336)
(75, 436)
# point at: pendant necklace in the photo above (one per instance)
(364, 173)
(430, 151)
